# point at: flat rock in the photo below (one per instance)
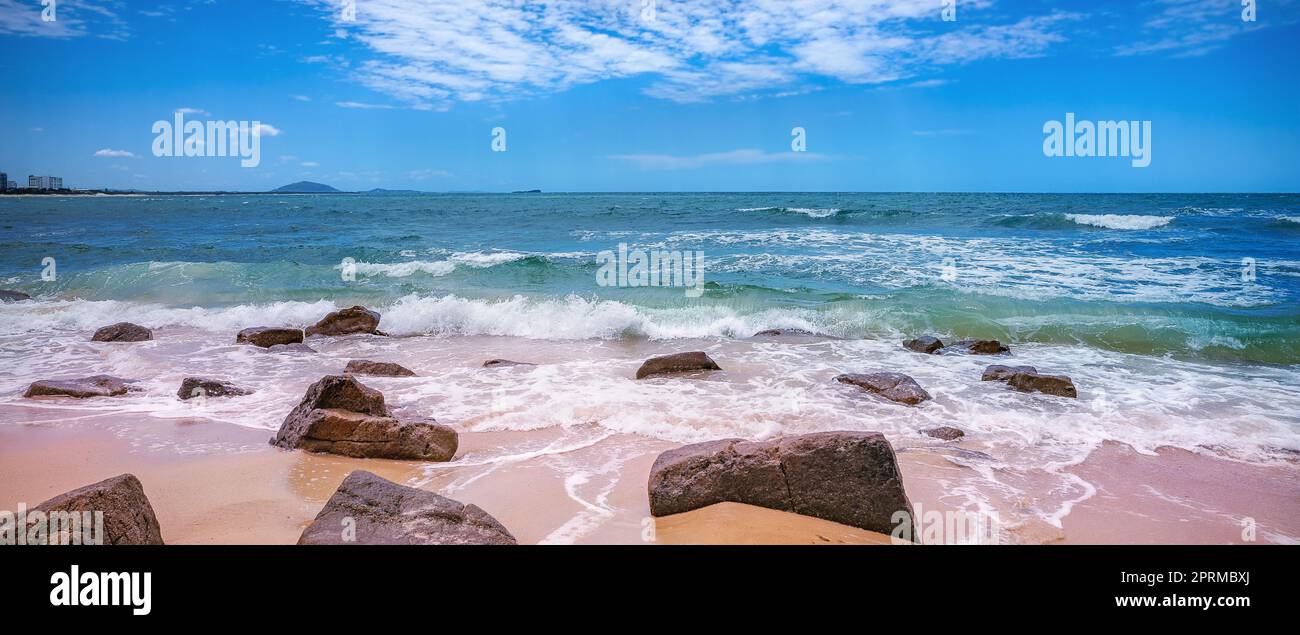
(382, 369)
(947, 433)
(845, 477)
(892, 386)
(290, 348)
(676, 363)
(95, 386)
(998, 372)
(357, 319)
(128, 517)
(366, 436)
(977, 347)
(784, 332)
(13, 296)
(369, 510)
(1059, 385)
(339, 392)
(268, 336)
(122, 332)
(207, 387)
(502, 363)
(924, 344)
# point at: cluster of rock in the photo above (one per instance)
(1028, 379)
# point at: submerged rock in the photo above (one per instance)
(676, 363)
(369, 510)
(298, 347)
(501, 363)
(95, 386)
(977, 347)
(382, 369)
(924, 344)
(850, 478)
(192, 387)
(781, 332)
(128, 517)
(892, 386)
(1059, 385)
(268, 336)
(357, 319)
(339, 415)
(998, 372)
(13, 296)
(947, 433)
(122, 332)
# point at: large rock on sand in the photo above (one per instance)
(892, 386)
(339, 415)
(382, 369)
(850, 478)
(122, 332)
(95, 386)
(998, 372)
(268, 336)
(128, 516)
(1058, 385)
(192, 387)
(924, 344)
(676, 363)
(369, 510)
(357, 319)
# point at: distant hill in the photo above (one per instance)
(304, 187)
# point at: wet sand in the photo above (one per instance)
(217, 483)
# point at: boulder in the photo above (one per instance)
(781, 332)
(382, 369)
(369, 510)
(13, 296)
(924, 344)
(501, 363)
(207, 387)
(892, 386)
(947, 433)
(268, 336)
(122, 332)
(128, 516)
(676, 363)
(998, 372)
(850, 478)
(357, 319)
(339, 415)
(96, 386)
(1059, 385)
(978, 347)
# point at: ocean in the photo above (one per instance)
(1177, 316)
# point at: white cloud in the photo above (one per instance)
(361, 105)
(310, 164)
(434, 53)
(74, 18)
(1186, 28)
(734, 157)
(117, 154)
(302, 98)
(193, 111)
(266, 130)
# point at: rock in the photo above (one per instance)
(998, 372)
(845, 477)
(356, 319)
(291, 348)
(1059, 385)
(500, 363)
(892, 386)
(339, 415)
(383, 369)
(978, 347)
(96, 386)
(368, 510)
(924, 344)
(122, 332)
(268, 336)
(676, 363)
(13, 296)
(947, 433)
(128, 516)
(206, 387)
(781, 332)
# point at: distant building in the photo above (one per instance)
(44, 182)
(56, 182)
(13, 185)
(4, 182)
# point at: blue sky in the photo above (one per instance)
(602, 95)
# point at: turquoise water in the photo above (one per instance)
(1158, 275)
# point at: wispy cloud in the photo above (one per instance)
(116, 154)
(362, 105)
(434, 53)
(73, 18)
(1188, 28)
(734, 157)
(266, 130)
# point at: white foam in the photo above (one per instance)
(1121, 221)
